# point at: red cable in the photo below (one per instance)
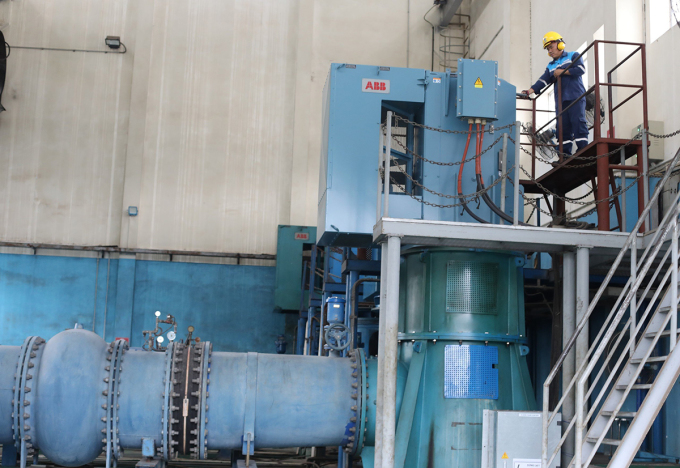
(478, 160)
(460, 171)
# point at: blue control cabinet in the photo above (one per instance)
(477, 89)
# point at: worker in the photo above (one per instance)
(574, 124)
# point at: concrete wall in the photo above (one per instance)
(209, 124)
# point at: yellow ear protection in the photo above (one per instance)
(560, 45)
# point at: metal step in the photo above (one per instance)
(604, 441)
(663, 333)
(649, 359)
(634, 387)
(621, 414)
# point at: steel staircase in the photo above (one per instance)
(622, 348)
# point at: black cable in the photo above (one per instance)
(492, 205)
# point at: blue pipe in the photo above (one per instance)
(79, 396)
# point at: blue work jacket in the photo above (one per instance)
(572, 84)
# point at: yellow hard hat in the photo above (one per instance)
(552, 36)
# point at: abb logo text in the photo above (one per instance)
(375, 86)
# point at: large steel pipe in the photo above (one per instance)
(76, 396)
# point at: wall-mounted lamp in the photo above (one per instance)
(113, 42)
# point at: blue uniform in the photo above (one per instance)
(574, 125)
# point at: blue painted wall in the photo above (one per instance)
(229, 305)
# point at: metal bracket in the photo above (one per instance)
(408, 406)
(248, 447)
(447, 92)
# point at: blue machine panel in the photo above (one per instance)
(350, 147)
(477, 91)
(470, 372)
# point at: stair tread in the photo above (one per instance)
(649, 359)
(652, 334)
(634, 387)
(620, 414)
(604, 441)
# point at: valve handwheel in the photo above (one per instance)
(335, 335)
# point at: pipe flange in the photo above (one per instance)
(203, 402)
(164, 450)
(114, 368)
(354, 432)
(175, 402)
(27, 367)
(192, 398)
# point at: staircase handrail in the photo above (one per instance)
(628, 291)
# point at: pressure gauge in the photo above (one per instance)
(171, 335)
(158, 313)
(160, 339)
(191, 329)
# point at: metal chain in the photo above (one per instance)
(442, 130)
(439, 163)
(575, 201)
(667, 135)
(468, 198)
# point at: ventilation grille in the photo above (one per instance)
(471, 287)
(470, 372)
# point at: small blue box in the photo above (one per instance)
(477, 89)
(336, 309)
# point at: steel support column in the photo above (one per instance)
(389, 336)
(602, 188)
(569, 366)
(582, 304)
(381, 358)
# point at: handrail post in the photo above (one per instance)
(633, 300)
(533, 139)
(546, 417)
(504, 168)
(381, 182)
(515, 208)
(569, 365)
(623, 195)
(580, 426)
(645, 179)
(560, 133)
(674, 281)
(597, 130)
(388, 162)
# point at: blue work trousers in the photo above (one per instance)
(574, 126)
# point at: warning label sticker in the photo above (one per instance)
(436, 80)
(478, 83)
(526, 463)
(505, 455)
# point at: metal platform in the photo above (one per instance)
(497, 237)
(603, 246)
(564, 178)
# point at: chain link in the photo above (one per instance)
(442, 130)
(575, 200)
(466, 198)
(439, 163)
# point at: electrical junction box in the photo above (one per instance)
(477, 89)
(513, 439)
(293, 243)
(655, 153)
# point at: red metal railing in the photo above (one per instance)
(596, 127)
(600, 145)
